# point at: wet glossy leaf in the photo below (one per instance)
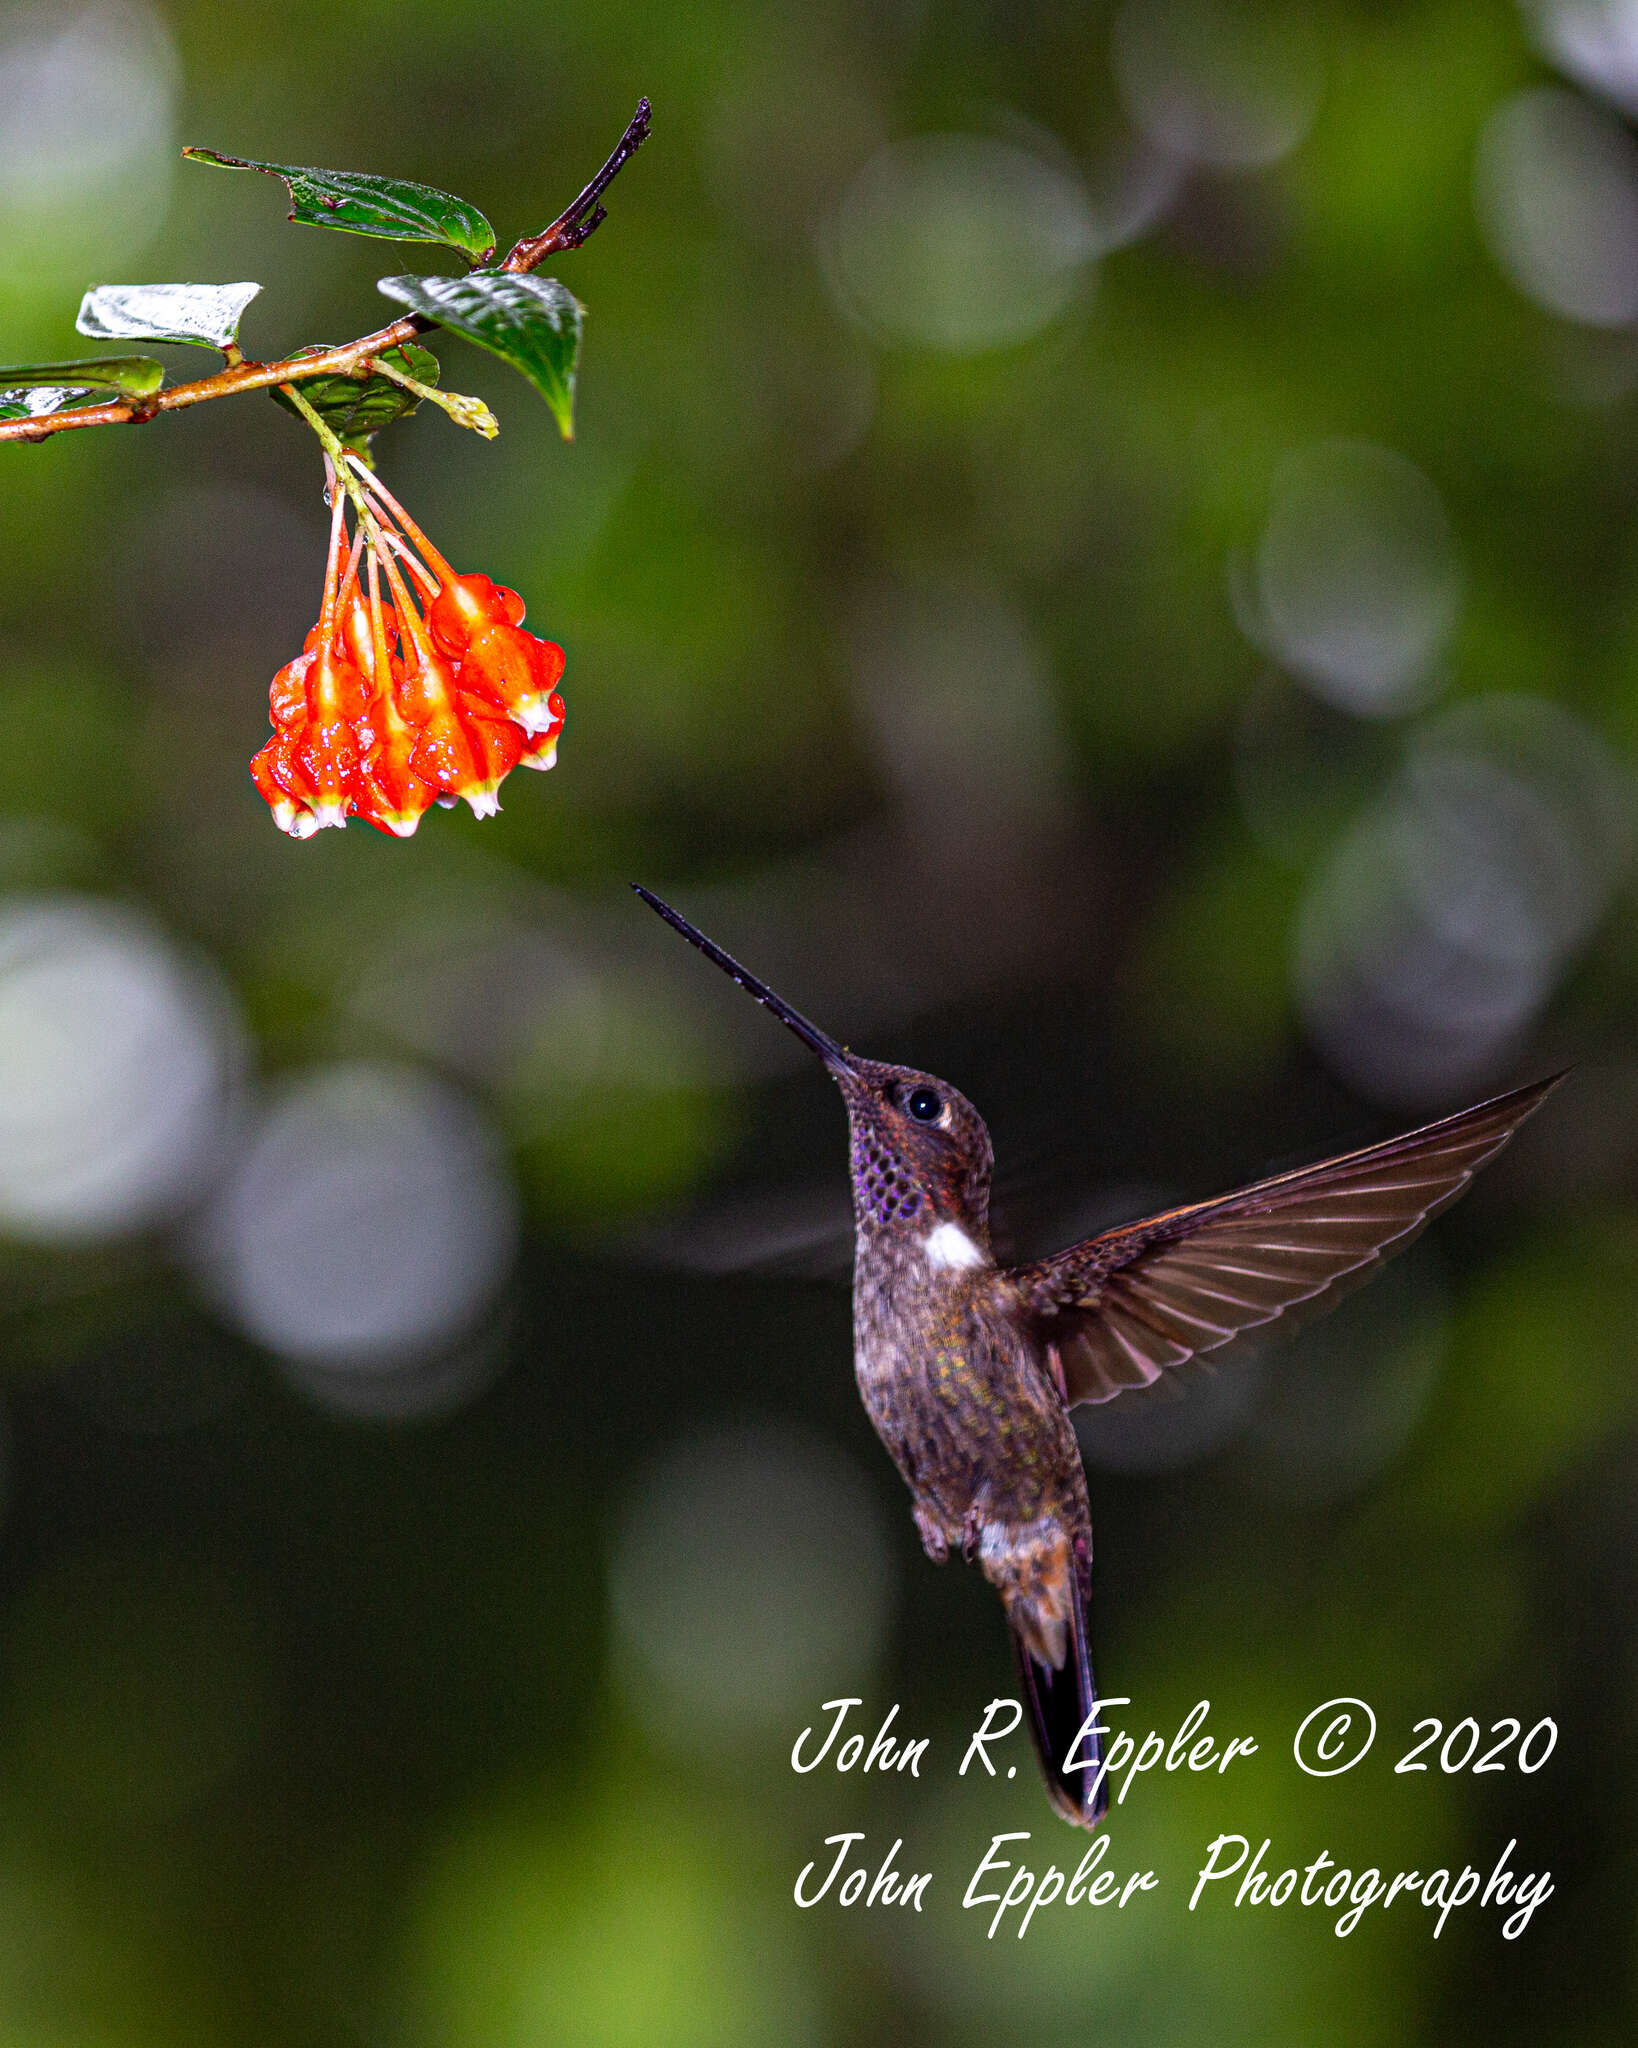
(206, 314)
(46, 398)
(533, 323)
(360, 204)
(355, 408)
(129, 376)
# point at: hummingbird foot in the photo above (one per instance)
(972, 1532)
(931, 1531)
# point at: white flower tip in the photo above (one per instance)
(485, 802)
(546, 759)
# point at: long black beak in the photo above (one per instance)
(810, 1034)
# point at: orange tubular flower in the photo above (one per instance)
(394, 705)
(390, 794)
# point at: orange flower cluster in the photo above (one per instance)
(404, 698)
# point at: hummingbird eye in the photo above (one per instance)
(925, 1105)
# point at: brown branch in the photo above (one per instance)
(585, 216)
(352, 358)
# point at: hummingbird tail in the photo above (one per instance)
(1059, 1703)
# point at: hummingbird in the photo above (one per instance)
(969, 1369)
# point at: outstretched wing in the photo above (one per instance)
(1125, 1307)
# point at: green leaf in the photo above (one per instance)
(360, 204)
(130, 376)
(533, 323)
(207, 314)
(354, 408)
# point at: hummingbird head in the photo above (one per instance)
(921, 1155)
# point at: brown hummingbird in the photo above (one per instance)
(968, 1369)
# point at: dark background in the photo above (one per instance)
(1100, 557)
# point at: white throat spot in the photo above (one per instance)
(949, 1245)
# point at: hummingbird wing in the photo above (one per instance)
(1123, 1308)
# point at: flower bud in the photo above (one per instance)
(283, 787)
(465, 605)
(327, 753)
(387, 790)
(515, 671)
(497, 744)
(425, 685)
(287, 699)
(541, 750)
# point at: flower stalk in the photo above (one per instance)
(464, 411)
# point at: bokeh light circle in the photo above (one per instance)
(1594, 42)
(87, 136)
(1357, 584)
(1557, 195)
(368, 1223)
(1216, 82)
(1433, 935)
(960, 243)
(119, 1059)
(752, 1577)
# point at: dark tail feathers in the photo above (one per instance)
(1058, 1705)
